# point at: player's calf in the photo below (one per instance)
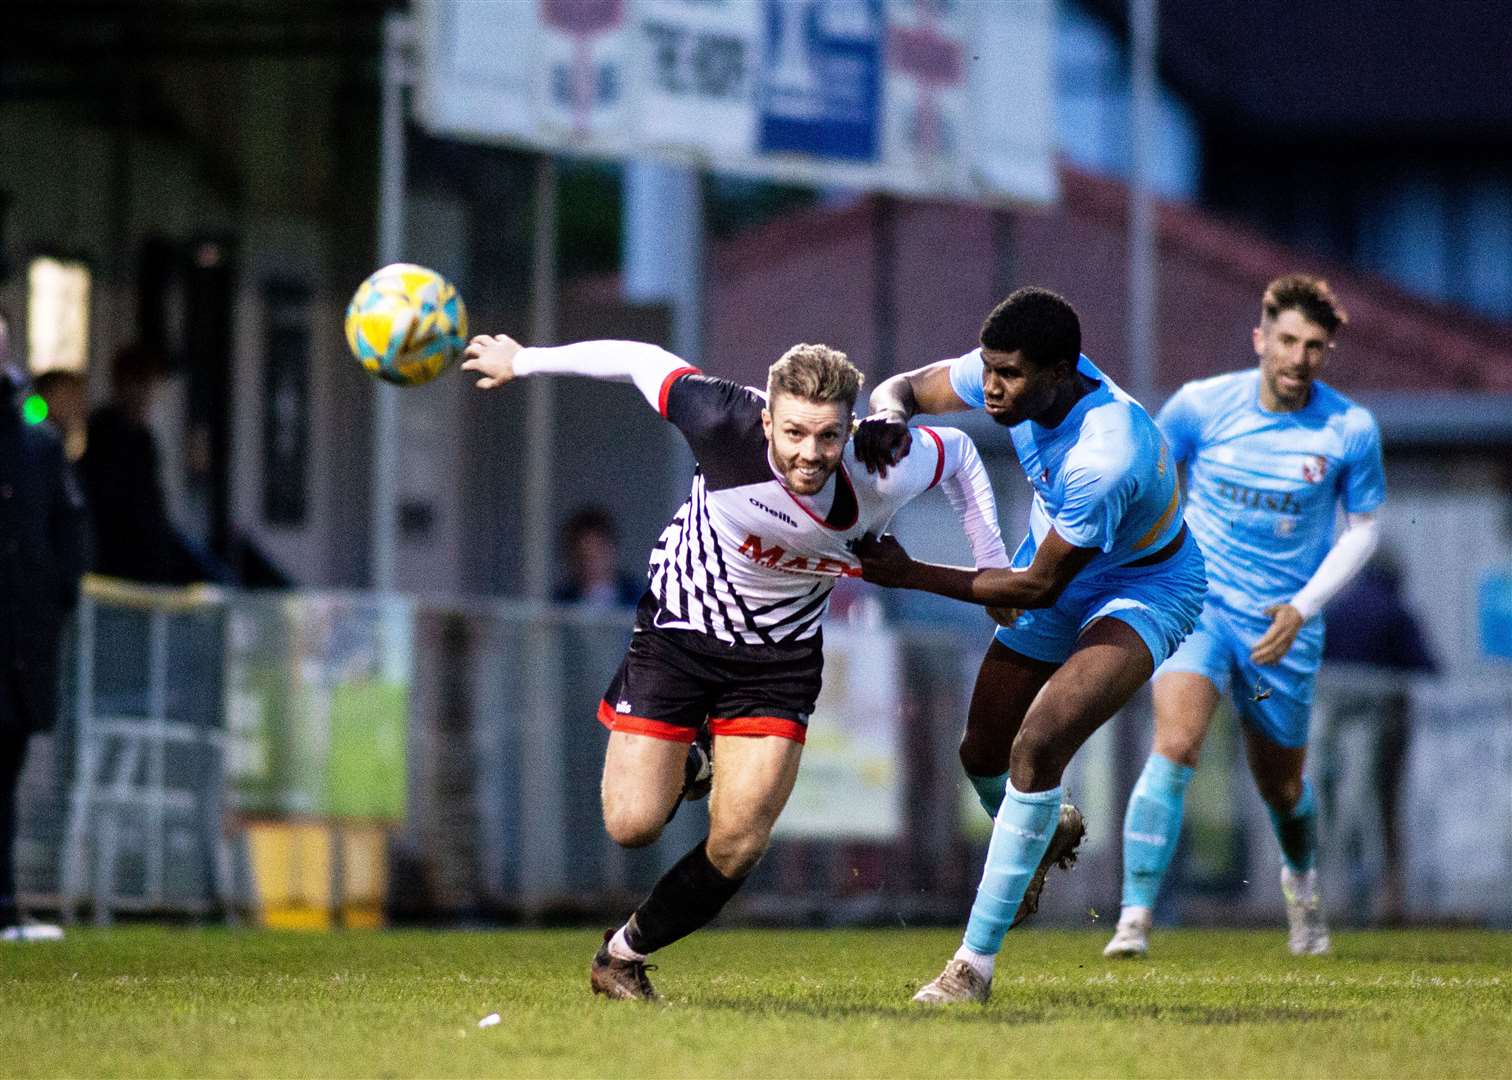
(1070, 829)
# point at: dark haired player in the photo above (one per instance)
(1271, 454)
(1103, 588)
(729, 634)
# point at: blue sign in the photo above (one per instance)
(821, 79)
(1496, 615)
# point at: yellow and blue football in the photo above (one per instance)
(406, 324)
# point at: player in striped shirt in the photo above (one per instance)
(1272, 455)
(1103, 588)
(728, 635)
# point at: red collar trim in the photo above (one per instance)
(844, 475)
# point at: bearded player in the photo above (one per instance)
(1271, 454)
(729, 633)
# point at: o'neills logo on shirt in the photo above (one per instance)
(1279, 501)
(778, 514)
(773, 556)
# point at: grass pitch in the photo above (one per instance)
(162, 1002)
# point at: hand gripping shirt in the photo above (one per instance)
(1103, 477)
(1263, 488)
(746, 560)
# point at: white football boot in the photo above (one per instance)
(1132, 938)
(957, 984)
(1307, 933)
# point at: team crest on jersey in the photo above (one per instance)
(1285, 526)
(1315, 469)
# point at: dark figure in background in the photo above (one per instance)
(134, 537)
(42, 554)
(593, 565)
(1369, 624)
(67, 407)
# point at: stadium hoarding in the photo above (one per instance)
(1458, 858)
(946, 99)
(317, 706)
(851, 783)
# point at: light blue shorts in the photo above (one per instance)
(1160, 602)
(1276, 700)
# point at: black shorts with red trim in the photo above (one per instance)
(671, 681)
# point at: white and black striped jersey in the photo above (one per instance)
(746, 560)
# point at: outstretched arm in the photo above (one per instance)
(500, 359)
(1056, 563)
(882, 439)
(1349, 554)
(966, 484)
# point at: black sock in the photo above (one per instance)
(687, 897)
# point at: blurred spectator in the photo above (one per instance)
(1368, 624)
(67, 407)
(42, 545)
(134, 537)
(593, 566)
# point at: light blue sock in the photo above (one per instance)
(1152, 826)
(1020, 834)
(990, 791)
(1298, 831)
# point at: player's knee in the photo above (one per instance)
(736, 855)
(1037, 761)
(1280, 793)
(633, 826)
(1174, 746)
(980, 757)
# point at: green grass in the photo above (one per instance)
(161, 1002)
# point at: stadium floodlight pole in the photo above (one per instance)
(1129, 738)
(664, 258)
(542, 739)
(1142, 267)
(540, 401)
(397, 76)
(689, 297)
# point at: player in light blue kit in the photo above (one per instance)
(1103, 588)
(1270, 455)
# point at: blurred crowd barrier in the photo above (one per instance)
(310, 760)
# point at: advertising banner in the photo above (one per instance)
(938, 98)
(820, 78)
(850, 785)
(1459, 861)
(317, 706)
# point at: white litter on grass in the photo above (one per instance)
(489, 1021)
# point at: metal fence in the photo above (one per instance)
(135, 803)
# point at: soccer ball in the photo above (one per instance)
(406, 324)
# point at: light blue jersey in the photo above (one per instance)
(1103, 478)
(1263, 490)
(1262, 487)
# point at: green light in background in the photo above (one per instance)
(34, 409)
